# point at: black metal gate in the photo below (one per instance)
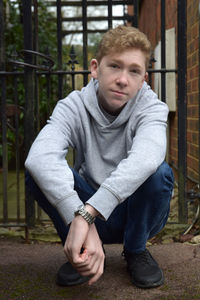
(50, 78)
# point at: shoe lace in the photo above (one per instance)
(143, 257)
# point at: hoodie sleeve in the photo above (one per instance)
(47, 164)
(145, 156)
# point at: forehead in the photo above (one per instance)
(129, 57)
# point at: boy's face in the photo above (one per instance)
(120, 77)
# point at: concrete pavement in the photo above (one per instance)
(27, 271)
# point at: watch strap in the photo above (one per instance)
(85, 214)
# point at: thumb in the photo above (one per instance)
(84, 255)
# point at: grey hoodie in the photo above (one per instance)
(114, 157)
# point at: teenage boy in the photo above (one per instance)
(120, 187)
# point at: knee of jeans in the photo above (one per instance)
(162, 181)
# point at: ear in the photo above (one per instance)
(145, 78)
(94, 68)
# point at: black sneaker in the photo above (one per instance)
(68, 276)
(144, 270)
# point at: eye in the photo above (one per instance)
(134, 71)
(114, 66)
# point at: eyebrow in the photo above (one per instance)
(134, 65)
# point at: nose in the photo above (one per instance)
(122, 79)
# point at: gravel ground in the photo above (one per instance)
(27, 271)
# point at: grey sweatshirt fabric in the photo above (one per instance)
(115, 157)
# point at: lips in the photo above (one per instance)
(118, 93)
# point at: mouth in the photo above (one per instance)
(118, 93)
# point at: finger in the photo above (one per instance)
(76, 257)
(84, 255)
(84, 267)
(92, 267)
(82, 262)
(98, 274)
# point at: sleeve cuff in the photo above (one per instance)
(104, 201)
(67, 207)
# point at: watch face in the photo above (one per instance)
(80, 207)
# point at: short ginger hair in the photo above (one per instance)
(122, 38)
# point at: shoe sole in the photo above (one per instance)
(77, 282)
(151, 285)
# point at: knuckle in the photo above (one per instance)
(92, 273)
(74, 260)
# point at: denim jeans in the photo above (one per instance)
(140, 217)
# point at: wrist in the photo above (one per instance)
(78, 219)
(91, 210)
(85, 214)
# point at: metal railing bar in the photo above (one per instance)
(66, 32)
(85, 40)
(89, 19)
(136, 12)
(5, 73)
(23, 64)
(3, 114)
(29, 127)
(59, 47)
(182, 110)
(17, 159)
(163, 52)
(109, 19)
(199, 87)
(89, 3)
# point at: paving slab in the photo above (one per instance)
(27, 271)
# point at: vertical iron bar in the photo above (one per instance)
(134, 21)
(73, 82)
(109, 14)
(199, 90)
(48, 79)
(48, 86)
(85, 40)
(3, 113)
(163, 52)
(182, 110)
(136, 13)
(17, 145)
(37, 103)
(72, 62)
(124, 12)
(35, 46)
(59, 43)
(29, 131)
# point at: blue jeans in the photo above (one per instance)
(140, 217)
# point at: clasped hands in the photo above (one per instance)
(90, 261)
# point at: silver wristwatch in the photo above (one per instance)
(85, 214)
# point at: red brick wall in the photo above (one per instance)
(149, 22)
(193, 88)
